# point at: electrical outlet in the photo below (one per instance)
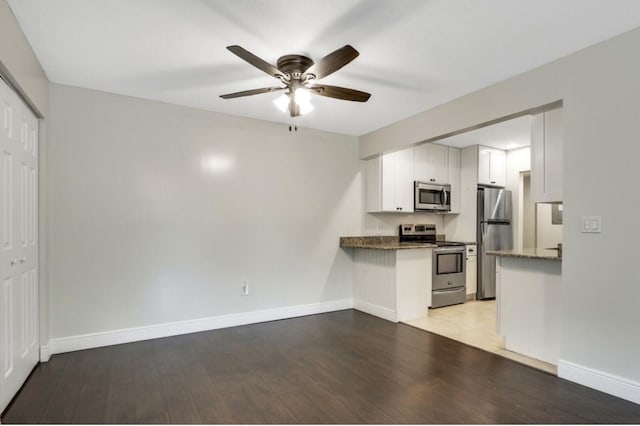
(244, 291)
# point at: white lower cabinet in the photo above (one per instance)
(529, 307)
(472, 269)
(392, 284)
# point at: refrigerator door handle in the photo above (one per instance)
(498, 222)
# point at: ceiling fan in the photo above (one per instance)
(299, 74)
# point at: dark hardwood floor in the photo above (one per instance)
(341, 367)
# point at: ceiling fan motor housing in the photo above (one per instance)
(294, 65)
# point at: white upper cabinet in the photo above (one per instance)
(390, 177)
(390, 183)
(432, 163)
(454, 179)
(492, 166)
(547, 140)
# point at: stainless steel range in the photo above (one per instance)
(448, 280)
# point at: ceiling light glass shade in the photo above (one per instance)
(302, 97)
(282, 102)
(305, 108)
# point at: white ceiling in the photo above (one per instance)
(414, 54)
(507, 135)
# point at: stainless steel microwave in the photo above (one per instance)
(432, 197)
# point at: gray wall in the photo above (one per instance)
(600, 89)
(159, 212)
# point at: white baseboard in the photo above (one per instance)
(115, 337)
(44, 353)
(604, 382)
(375, 310)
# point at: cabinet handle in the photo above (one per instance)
(493, 181)
(24, 259)
(13, 262)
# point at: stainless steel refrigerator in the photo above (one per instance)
(494, 232)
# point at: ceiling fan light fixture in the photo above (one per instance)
(305, 108)
(297, 73)
(282, 102)
(302, 98)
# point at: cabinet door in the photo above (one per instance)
(472, 269)
(546, 157)
(484, 165)
(373, 181)
(388, 182)
(404, 178)
(492, 166)
(454, 178)
(553, 147)
(498, 173)
(431, 163)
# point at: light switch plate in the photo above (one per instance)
(591, 224)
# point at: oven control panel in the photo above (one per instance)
(418, 229)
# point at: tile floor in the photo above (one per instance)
(474, 323)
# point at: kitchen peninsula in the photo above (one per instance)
(529, 292)
(391, 279)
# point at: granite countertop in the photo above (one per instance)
(386, 242)
(382, 242)
(531, 253)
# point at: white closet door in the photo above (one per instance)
(18, 243)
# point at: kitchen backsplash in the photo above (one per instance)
(387, 223)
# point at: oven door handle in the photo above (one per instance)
(455, 249)
(449, 290)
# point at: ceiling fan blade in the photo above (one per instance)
(251, 92)
(255, 61)
(340, 93)
(332, 62)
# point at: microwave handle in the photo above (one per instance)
(445, 197)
